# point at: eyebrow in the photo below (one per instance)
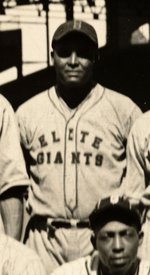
(120, 231)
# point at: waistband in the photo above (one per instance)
(50, 225)
(68, 223)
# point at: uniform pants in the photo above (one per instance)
(63, 246)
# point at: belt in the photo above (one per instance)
(70, 223)
(51, 225)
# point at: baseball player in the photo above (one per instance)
(75, 134)
(13, 176)
(116, 237)
(138, 167)
(17, 259)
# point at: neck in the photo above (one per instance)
(132, 271)
(73, 96)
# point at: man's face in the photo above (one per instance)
(73, 60)
(117, 244)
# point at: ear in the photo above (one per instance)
(52, 58)
(141, 235)
(93, 241)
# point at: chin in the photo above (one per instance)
(120, 270)
(73, 84)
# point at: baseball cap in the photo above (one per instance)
(115, 208)
(75, 26)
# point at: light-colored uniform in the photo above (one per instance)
(76, 157)
(137, 179)
(17, 259)
(90, 265)
(12, 165)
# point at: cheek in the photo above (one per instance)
(87, 70)
(88, 65)
(103, 249)
(59, 69)
(58, 65)
(132, 248)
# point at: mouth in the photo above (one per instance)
(73, 74)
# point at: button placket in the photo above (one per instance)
(70, 168)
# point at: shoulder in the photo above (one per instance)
(4, 103)
(34, 104)
(123, 107)
(7, 115)
(72, 267)
(16, 250)
(142, 124)
(143, 120)
(120, 109)
(17, 259)
(120, 101)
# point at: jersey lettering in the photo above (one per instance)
(70, 137)
(55, 139)
(83, 135)
(76, 158)
(40, 158)
(87, 158)
(48, 157)
(58, 158)
(96, 143)
(42, 141)
(98, 160)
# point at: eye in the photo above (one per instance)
(128, 233)
(85, 53)
(106, 236)
(63, 52)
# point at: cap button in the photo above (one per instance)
(114, 199)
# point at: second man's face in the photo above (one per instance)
(73, 61)
(117, 244)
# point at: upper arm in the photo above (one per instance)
(13, 171)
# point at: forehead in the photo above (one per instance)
(115, 226)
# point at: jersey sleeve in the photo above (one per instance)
(134, 182)
(13, 170)
(22, 120)
(134, 115)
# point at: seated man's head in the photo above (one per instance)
(117, 235)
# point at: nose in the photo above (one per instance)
(117, 244)
(73, 59)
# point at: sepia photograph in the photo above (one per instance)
(74, 137)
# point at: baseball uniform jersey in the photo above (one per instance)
(137, 180)
(76, 156)
(12, 166)
(90, 265)
(17, 259)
